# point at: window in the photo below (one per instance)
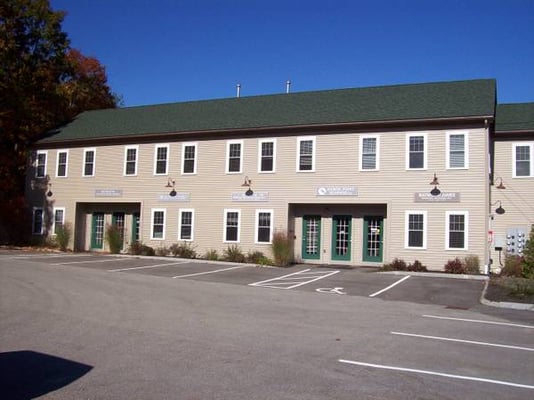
(415, 234)
(416, 151)
(189, 159)
(161, 159)
(457, 150)
(89, 162)
(62, 159)
(523, 160)
(457, 230)
(158, 224)
(185, 229)
(266, 156)
(37, 221)
(40, 164)
(59, 219)
(306, 154)
(369, 153)
(130, 160)
(231, 225)
(234, 154)
(264, 226)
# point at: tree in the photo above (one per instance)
(43, 84)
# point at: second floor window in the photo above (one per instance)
(457, 150)
(306, 154)
(416, 152)
(189, 152)
(369, 153)
(89, 162)
(233, 156)
(130, 161)
(62, 159)
(266, 155)
(161, 158)
(40, 164)
(523, 160)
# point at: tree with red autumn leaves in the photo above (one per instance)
(43, 84)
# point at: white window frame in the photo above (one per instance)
(153, 212)
(54, 218)
(39, 152)
(189, 144)
(377, 154)
(232, 210)
(407, 229)
(126, 148)
(314, 147)
(66, 152)
(257, 226)
(85, 151)
(514, 159)
(260, 144)
(466, 230)
(192, 211)
(425, 150)
(160, 146)
(466, 148)
(35, 209)
(241, 151)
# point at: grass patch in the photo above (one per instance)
(511, 289)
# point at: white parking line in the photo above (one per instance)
(480, 321)
(463, 341)
(420, 371)
(302, 278)
(92, 261)
(146, 267)
(390, 286)
(210, 272)
(47, 255)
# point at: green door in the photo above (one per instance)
(341, 237)
(135, 227)
(311, 237)
(97, 231)
(372, 238)
(118, 221)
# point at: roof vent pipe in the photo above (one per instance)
(288, 86)
(238, 90)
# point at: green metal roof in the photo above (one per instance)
(458, 99)
(514, 117)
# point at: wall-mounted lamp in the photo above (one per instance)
(435, 182)
(49, 193)
(499, 210)
(170, 184)
(248, 183)
(500, 185)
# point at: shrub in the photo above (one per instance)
(63, 235)
(211, 255)
(513, 266)
(455, 266)
(114, 238)
(472, 264)
(396, 265)
(417, 267)
(183, 250)
(139, 249)
(162, 251)
(528, 254)
(257, 257)
(282, 248)
(234, 254)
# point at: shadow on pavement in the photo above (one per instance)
(29, 374)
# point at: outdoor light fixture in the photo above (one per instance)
(247, 183)
(49, 193)
(499, 210)
(435, 182)
(170, 184)
(500, 185)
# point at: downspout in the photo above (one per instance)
(489, 239)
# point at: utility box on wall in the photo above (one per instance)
(515, 240)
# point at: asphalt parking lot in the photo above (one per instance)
(324, 280)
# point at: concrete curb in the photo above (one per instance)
(437, 275)
(504, 304)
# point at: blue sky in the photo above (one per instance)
(160, 51)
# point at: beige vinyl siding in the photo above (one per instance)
(390, 189)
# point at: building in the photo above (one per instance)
(353, 176)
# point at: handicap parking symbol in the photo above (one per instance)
(336, 290)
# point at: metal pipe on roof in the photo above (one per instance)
(238, 90)
(288, 86)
